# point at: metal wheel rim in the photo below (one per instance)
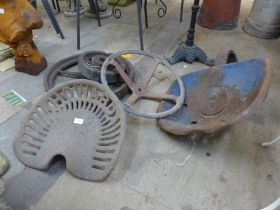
(128, 108)
(53, 72)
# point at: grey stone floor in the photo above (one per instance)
(236, 174)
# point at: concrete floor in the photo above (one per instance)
(229, 171)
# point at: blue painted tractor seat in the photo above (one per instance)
(218, 96)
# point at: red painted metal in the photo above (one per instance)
(218, 97)
(219, 14)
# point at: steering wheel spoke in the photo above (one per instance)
(159, 97)
(150, 73)
(124, 76)
(140, 91)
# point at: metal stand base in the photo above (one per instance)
(188, 51)
(190, 54)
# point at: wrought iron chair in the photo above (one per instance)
(50, 14)
(56, 5)
(52, 17)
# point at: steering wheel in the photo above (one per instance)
(140, 91)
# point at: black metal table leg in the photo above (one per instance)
(57, 5)
(50, 14)
(188, 51)
(90, 4)
(139, 6)
(52, 18)
(95, 8)
(181, 10)
(53, 3)
(97, 12)
(146, 13)
(78, 25)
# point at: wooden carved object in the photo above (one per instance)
(17, 20)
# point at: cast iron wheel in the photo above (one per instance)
(90, 63)
(140, 91)
(60, 68)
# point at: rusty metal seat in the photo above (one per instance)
(79, 120)
(218, 97)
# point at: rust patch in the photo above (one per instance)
(214, 106)
(217, 14)
(211, 102)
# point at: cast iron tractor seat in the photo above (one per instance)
(79, 120)
(217, 97)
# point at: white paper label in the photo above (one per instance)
(2, 11)
(78, 121)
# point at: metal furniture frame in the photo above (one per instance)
(162, 10)
(94, 6)
(188, 51)
(52, 17)
(56, 5)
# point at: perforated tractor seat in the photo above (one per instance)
(79, 120)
